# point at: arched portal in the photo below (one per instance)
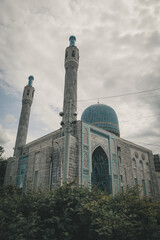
(100, 170)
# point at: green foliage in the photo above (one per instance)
(72, 212)
(3, 165)
(1, 151)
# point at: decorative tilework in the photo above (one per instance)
(102, 116)
(22, 171)
(85, 157)
(85, 160)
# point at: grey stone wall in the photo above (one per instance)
(46, 156)
(39, 163)
(78, 135)
(11, 171)
(40, 160)
(126, 174)
(157, 177)
(136, 163)
(57, 166)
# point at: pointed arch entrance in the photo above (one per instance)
(100, 170)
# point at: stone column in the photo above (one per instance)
(70, 89)
(70, 100)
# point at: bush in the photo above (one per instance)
(72, 212)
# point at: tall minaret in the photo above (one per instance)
(70, 89)
(70, 100)
(27, 99)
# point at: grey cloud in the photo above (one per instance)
(55, 109)
(157, 123)
(144, 135)
(147, 3)
(116, 39)
(154, 40)
(9, 118)
(3, 136)
(155, 105)
(132, 39)
(152, 132)
(151, 79)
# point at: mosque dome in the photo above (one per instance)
(102, 116)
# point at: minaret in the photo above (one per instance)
(70, 89)
(70, 99)
(27, 99)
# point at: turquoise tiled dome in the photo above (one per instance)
(102, 116)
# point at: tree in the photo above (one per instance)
(73, 212)
(3, 165)
(1, 151)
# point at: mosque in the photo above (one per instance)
(89, 150)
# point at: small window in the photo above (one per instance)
(121, 178)
(141, 165)
(27, 92)
(147, 166)
(21, 178)
(35, 179)
(73, 53)
(136, 181)
(119, 149)
(144, 187)
(136, 154)
(150, 186)
(115, 177)
(10, 180)
(134, 163)
(135, 172)
(143, 156)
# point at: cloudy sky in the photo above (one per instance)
(119, 44)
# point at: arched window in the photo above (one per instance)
(147, 166)
(37, 164)
(22, 174)
(150, 186)
(100, 170)
(73, 53)
(134, 163)
(141, 168)
(141, 164)
(144, 187)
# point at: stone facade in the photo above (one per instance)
(80, 151)
(41, 162)
(157, 162)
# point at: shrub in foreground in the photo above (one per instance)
(72, 212)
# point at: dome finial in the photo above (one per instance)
(30, 80)
(72, 40)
